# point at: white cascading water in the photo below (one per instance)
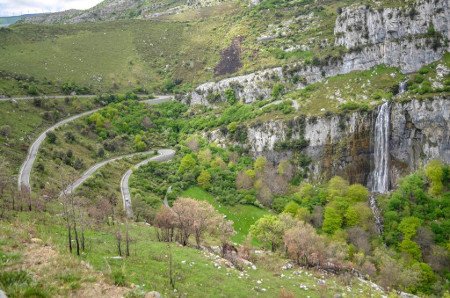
(380, 175)
(402, 87)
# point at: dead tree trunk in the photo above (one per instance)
(119, 242)
(127, 241)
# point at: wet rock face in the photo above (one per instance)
(363, 25)
(419, 133)
(395, 37)
(343, 144)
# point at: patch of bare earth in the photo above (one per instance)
(230, 58)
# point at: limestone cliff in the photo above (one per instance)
(343, 144)
(408, 38)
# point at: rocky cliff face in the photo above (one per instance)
(404, 38)
(343, 144)
(363, 25)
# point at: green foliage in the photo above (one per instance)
(268, 230)
(277, 90)
(187, 163)
(358, 192)
(332, 221)
(204, 179)
(410, 247)
(292, 208)
(408, 226)
(337, 187)
(51, 137)
(230, 95)
(139, 144)
(435, 174)
(119, 278)
(260, 164)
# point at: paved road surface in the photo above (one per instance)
(57, 96)
(164, 155)
(25, 170)
(86, 175)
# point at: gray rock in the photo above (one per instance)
(153, 294)
(343, 144)
(389, 36)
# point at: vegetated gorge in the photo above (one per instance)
(269, 148)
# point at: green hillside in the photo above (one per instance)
(173, 52)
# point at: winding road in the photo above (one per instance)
(56, 96)
(27, 166)
(164, 155)
(86, 175)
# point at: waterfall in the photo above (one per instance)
(376, 213)
(380, 175)
(402, 87)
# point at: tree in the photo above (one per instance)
(359, 238)
(165, 220)
(204, 216)
(292, 208)
(204, 156)
(260, 164)
(139, 144)
(204, 179)
(187, 163)
(408, 226)
(268, 230)
(435, 174)
(304, 246)
(244, 180)
(51, 137)
(337, 187)
(332, 220)
(358, 192)
(411, 248)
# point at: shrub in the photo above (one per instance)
(435, 174)
(277, 90)
(51, 137)
(204, 179)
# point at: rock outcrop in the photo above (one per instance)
(343, 144)
(394, 37)
(364, 25)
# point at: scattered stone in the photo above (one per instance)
(153, 294)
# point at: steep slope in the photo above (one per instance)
(110, 10)
(405, 37)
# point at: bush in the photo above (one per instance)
(277, 90)
(119, 278)
(5, 131)
(51, 136)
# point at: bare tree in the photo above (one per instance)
(165, 221)
(127, 239)
(119, 242)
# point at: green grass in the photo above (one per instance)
(126, 54)
(362, 87)
(195, 273)
(26, 121)
(243, 216)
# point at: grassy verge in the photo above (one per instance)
(195, 272)
(23, 121)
